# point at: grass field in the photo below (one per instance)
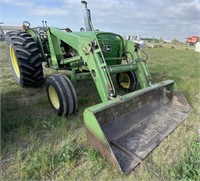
(38, 145)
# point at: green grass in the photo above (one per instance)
(38, 145)
(188, 166)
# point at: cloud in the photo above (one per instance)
(37, 9)
(182, 18)
(148, 18)
(18, 3)
(47, 11)
(169, 19)
(186, 11)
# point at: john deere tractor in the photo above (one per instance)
(122, 128)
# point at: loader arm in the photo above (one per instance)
(141, 71)
(90, 53)
(90, 56)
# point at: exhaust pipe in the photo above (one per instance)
(87, 17)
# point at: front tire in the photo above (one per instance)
(25, 61)
(127, 81)
(61, 95)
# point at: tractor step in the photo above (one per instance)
(130, 128)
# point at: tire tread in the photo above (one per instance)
(28, 56)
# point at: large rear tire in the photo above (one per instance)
(25, 60)
(61, 95)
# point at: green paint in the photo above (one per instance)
(92, 124)
(99, 53)
(91, 121)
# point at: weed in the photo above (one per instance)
(69, 154)
(96, 160)
(49, 123)
(38, 165)
(188, 167)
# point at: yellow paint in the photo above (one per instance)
(54, 97)
(14, 61)
(125, 80)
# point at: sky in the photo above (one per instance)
(166, 19)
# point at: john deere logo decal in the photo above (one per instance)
(107, 48)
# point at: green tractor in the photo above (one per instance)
(125, 129)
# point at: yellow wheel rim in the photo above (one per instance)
(125, 80)
(54, 97)
(14, 61)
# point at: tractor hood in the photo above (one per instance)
(112, 45)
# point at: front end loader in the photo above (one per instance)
(124, 128)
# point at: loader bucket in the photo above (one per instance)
(136, 123)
